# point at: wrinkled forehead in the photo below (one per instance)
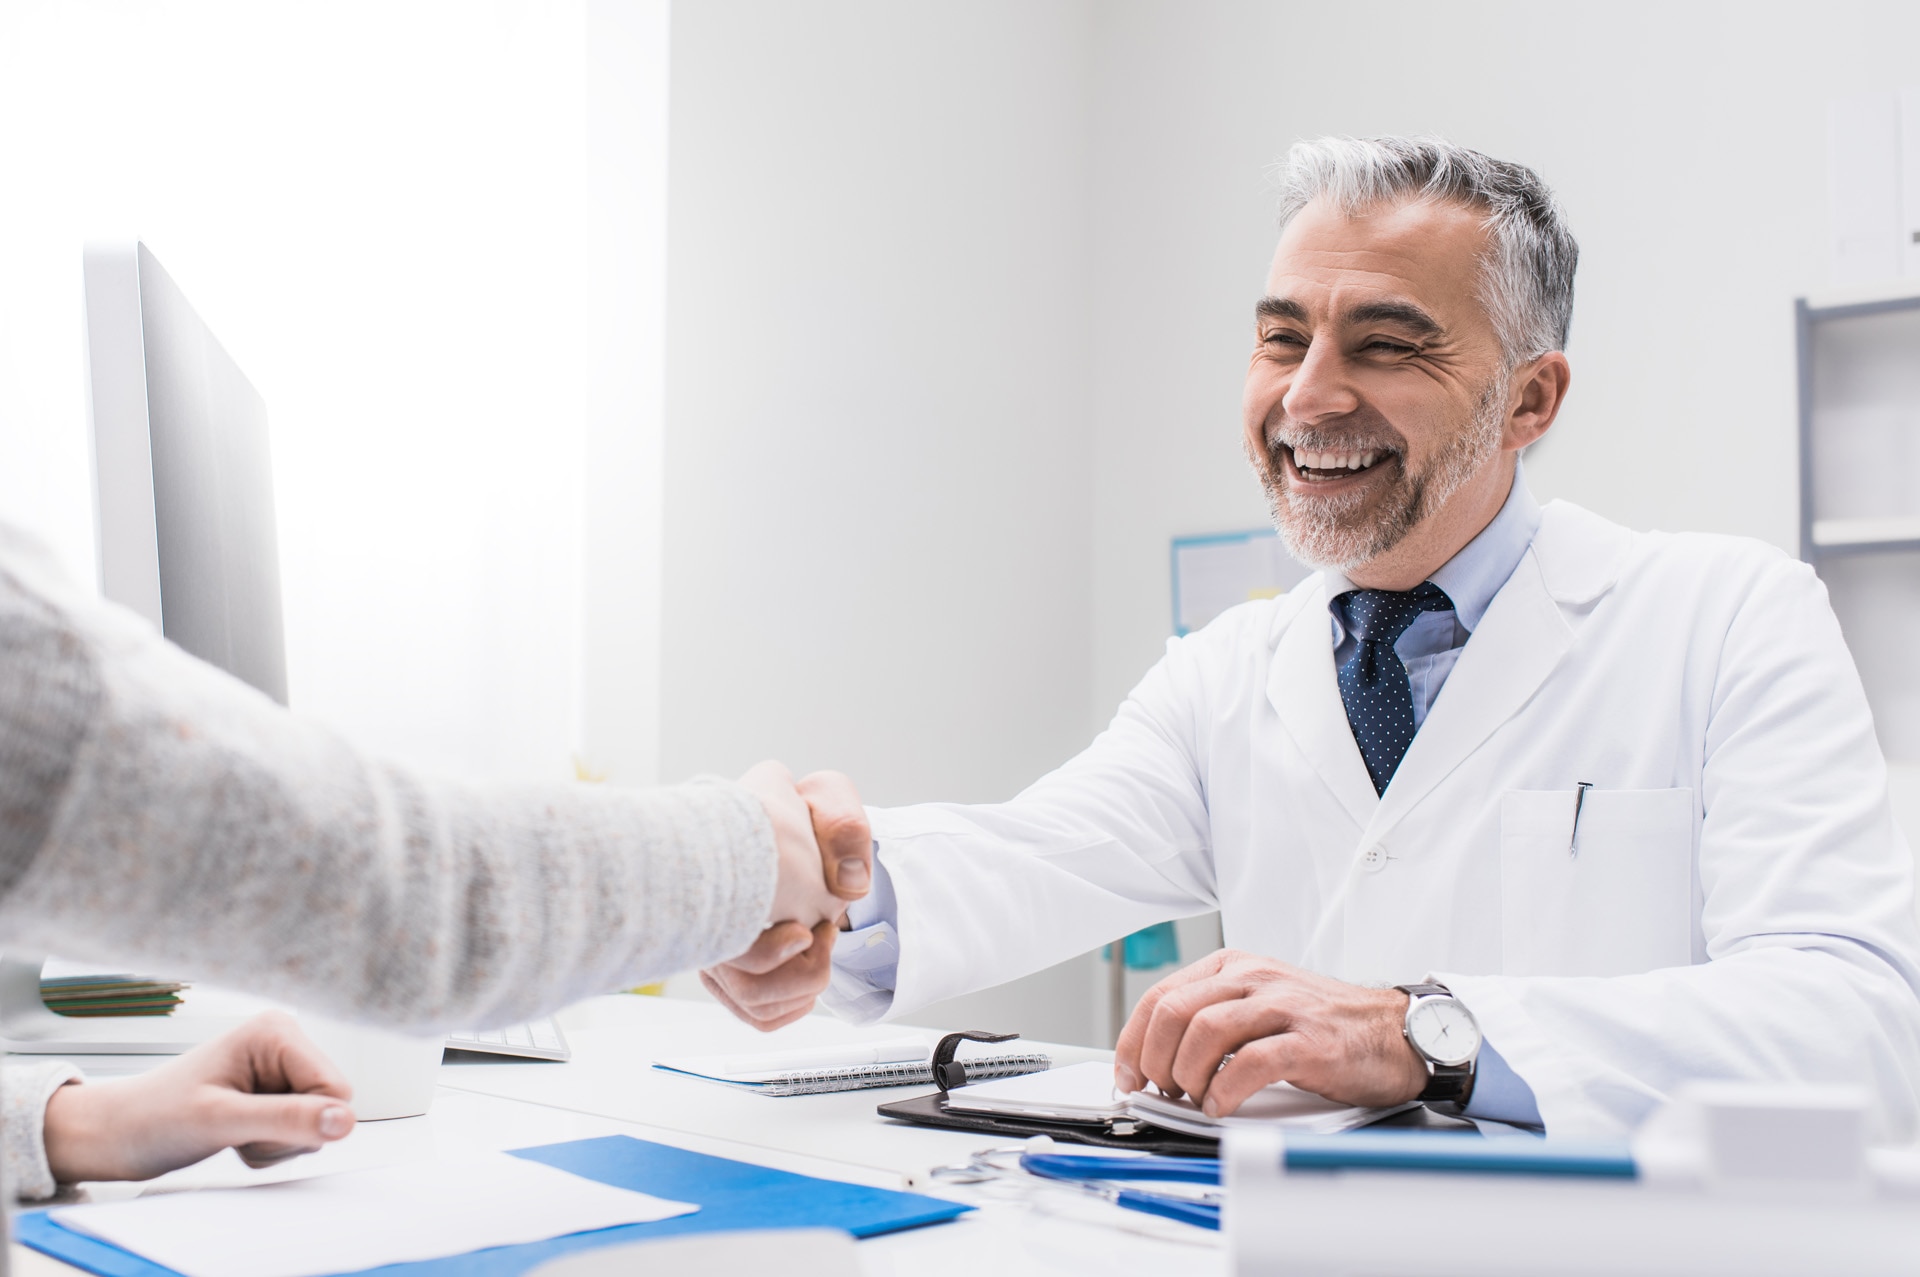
(1424, 251)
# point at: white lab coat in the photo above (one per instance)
(1740, 904)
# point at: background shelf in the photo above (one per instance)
(1859, 369)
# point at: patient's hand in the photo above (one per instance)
(263, 1089)
(777, 980)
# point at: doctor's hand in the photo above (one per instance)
(264, 1090)
(820, 868)
(778, 980)
(1232, 1023)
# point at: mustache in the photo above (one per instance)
(1363, 432)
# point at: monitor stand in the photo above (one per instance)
(28, 1028)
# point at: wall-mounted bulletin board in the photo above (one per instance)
(1214, 573)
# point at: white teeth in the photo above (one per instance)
(1334, 460)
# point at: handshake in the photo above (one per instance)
(825, 856)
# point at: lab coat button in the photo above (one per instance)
(1374, 859)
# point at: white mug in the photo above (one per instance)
(392, 1074)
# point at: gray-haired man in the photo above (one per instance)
(1508, 809)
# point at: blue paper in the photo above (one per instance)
(733, 1197)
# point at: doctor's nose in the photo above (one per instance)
(1320, 387)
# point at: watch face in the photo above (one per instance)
(1443, 1030)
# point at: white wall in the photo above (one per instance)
(627, 66)
(379, 209)
(878, 504)
(1687, 141)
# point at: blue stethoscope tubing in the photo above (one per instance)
(1097, 1172)
(1350, 1150)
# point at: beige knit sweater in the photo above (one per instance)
(156, 813)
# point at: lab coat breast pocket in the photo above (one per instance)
(1620, 903)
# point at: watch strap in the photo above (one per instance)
(1449, 1087)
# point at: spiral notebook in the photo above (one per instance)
(854, 1067)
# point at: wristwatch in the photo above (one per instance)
(1444, 1034)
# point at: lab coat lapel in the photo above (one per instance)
(1304, 693)
(1575, 558)
(1522, 637)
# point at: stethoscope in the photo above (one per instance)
(1103, 1177)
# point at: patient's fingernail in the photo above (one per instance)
(1124, 1079)
(795, 949)
(1211, 1108)
(854, 874)
(335, 1121)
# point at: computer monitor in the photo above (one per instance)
(183, 479)
(183, 503)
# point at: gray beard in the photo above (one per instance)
(1336, 533)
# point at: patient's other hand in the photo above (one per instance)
(777, 980)
(262, 1089)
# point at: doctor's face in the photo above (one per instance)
(1377, 389)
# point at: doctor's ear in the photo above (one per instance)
(1534, 395)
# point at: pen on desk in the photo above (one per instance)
(1579, 801)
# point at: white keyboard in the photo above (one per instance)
(540, 1040)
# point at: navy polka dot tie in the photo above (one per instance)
(1373, 681)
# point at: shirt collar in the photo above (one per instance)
(1473, 576)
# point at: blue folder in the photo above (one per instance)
(733, 1196)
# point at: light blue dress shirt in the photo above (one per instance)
(866, 959)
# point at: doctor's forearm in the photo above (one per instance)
(1601, 1054)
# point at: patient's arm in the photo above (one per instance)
(155, 811)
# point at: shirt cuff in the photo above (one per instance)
(1500, 1094)
(24, 1092)
(866, 957)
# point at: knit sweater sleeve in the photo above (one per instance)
(24, 1092)
(154, 811)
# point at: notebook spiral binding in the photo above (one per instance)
(863, 1077)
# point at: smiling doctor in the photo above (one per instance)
(1508, 809)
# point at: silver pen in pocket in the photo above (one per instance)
(1579, 801)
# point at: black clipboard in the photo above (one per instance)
(931, 1110)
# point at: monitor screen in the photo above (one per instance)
(183, 481)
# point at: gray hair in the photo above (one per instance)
(1527, 277)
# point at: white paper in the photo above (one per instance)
(770, 1066)
(1078, 1092)
(1084, 1092)
(362, 1219)
(1277, 1105)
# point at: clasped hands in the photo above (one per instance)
(825, 856)
(1216, 1031)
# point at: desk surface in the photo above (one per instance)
(609, 1088)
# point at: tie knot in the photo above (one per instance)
(1382, 616)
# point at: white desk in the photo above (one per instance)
(608, 1088)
